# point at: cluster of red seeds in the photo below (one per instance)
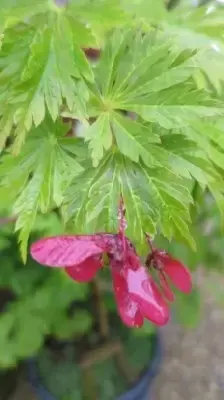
(137, 295)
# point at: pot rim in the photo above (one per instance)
(140, 388)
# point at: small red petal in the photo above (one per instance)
(177, 272)
(68, 250)
(128, 309)
(167, 292)
(145, 292)
(85, 271)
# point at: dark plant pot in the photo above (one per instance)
(8, 382)
(8, 378)
(139, 391)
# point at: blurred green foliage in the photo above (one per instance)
(106, 381)
(35, 301)
(41, 298)
(207, 231)
(58, 377)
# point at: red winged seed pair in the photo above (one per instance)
(137, 295)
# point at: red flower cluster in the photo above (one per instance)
(137, 295)
(168, 269)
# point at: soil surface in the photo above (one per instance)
(193, 368)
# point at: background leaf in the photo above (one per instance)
(47, 165)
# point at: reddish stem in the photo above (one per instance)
(150, 242)
(121, 213)
(122, 224)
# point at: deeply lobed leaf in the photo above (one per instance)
(152, 197)
(37, 178)
(174, 135)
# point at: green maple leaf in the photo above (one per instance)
(155, 82)
(104, 12)
(154, 199)
(213, 131)
(134, 139)
(53, 73)
(44, 73)
(184, 158)
(142, 64)
(211, 63)
(145, 76)
(100, 137)
(172, 108)
(208, 137)
(37, 178)
(146, 10)
(152, 159)
(14, 11)
(172, 198)
(196, 28)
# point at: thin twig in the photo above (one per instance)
(149, 240)
(105, 351)
(124, 366)
(89, 387)
(102, 311)
(100, 354)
